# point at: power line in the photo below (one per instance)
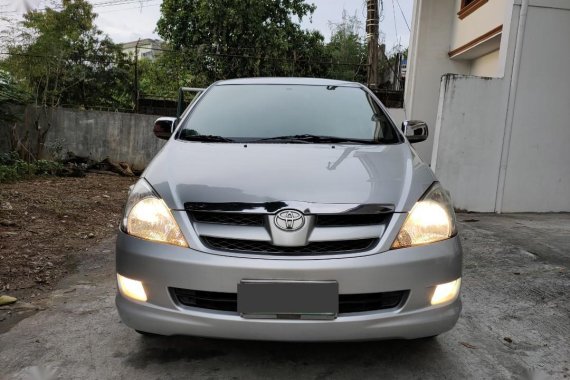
(223, 55)
(403, 15)
(126, 9)
(395, 22)
(101, 4)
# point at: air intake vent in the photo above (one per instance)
(347, 220)
(348, 303)
(315, 248)
(236, 219)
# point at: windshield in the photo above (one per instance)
(250, 113)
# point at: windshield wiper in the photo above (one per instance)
(205, 138)
(316, 139)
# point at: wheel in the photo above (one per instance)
(428, 338)
(147, 334)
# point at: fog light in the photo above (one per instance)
(131, 288)
(446, 292)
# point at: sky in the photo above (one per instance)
(129, 20)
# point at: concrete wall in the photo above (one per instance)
(538, 171)
(398, 115)
(468, 140)
(503, 144)
(120, 136)
(429, 44)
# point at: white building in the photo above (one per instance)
(147, 48)
(492, 79)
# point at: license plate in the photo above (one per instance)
(288, 299)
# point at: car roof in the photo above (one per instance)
(290, 81)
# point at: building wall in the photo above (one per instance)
(486, 66)
(487, 17)
(468, 140)
(538, 168)
(502, 144)
(398, 115)
(428, 61)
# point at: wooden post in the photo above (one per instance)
(372, 35)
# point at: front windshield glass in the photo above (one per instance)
(248, 113)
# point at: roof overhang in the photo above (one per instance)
(479, 46)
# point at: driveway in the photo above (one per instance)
(515, 323)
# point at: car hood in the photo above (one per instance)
(316, 173)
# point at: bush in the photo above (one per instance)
(13, 168)
(45, 167)
(8, 173)
(9, 158)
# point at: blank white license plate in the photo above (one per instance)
(288, 299)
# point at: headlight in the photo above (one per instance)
(148, 217)
(432, 219)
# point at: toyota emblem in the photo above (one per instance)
(289, 220)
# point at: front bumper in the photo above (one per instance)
(417, 269)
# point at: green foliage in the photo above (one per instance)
(63, 59)
(13, 168)
(11, 96)
(8, 174)
(164, 75)
(9, 158)
(46, 167)
(347, 45)
(222, 39)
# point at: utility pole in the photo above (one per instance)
(372, 35)
(136, 94)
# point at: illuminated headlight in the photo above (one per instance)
(431, 219)
(149, 218)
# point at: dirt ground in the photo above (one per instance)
(46, 222)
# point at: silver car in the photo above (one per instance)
(289, 209)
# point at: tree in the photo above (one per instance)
(11, 96)
(164, 75)
(228, 39)
(347, 46)
(63, 59)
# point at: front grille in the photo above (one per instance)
(322, 220)
(348, 303)
(205, 300)
(343, 220)
(238, 219)
(315, 248)
(354, 303)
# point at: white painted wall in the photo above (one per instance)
(468, 140)
(428, 61)
(472, 133)
(538, 169)
(487, 17)
(486, 66)
(398, 115)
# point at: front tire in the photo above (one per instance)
(147, 334)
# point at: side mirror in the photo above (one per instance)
(415, 130)
(164, 127)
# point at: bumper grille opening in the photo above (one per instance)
(347, 220)
(315, 248)
(236, 219)
(205, 300)
(322, 220)
(348, 303)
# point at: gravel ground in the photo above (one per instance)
(515, 324)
